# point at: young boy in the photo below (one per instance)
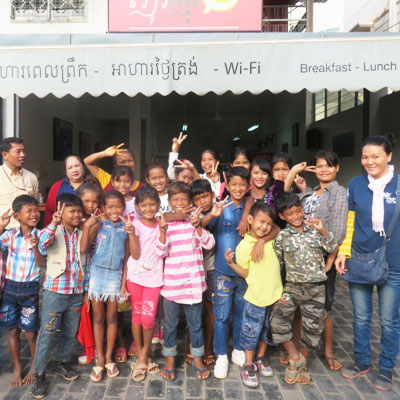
(203, 197)
(184, 281)
(66, 281)
(264, 288)
(300, 248)
(19, 308)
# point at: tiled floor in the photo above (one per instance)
(325, 384)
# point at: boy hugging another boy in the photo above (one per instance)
(300, 247)
(64, 286)
(264, 288)
(19, 309)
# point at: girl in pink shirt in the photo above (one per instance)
(144, 278)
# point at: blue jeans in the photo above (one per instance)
(61, 314)
(389, 303)
(193, 314)
(229, 292)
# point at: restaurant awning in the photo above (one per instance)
(334, 63)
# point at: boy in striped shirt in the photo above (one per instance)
(181, 244)
(19, 308)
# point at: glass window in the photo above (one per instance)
(319, 99)
(347, 100)
(332, 103)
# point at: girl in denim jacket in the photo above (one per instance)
(114, 243)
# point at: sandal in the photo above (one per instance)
(120, 355)
(112, 370)
(152, 368)
(331, 362)
(284, 358)
(97, 373)
(209, 359)
(201, 371)
(291, 377)
(132, 352)
(169, 373)
(138, 372)
(188, 358)
(304, 378)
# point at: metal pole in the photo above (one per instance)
(310, 15)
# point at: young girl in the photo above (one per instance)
(122, 180)
(158, 179)
(143, 278)
(210, 163)
(114, 242)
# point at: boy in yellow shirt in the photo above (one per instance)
(264, 289)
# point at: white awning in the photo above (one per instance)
(237, 66)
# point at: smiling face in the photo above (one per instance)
(207, 162)
(113, 209)
(241, 161)
(259, 178)
(204, 201)
(375, 160)
(260, 224)
(28, 216)
(294, 216)
(179, 201)
(185, 175)
(158, 180)
(148, 208)
(72, 216)
(123, 184)
(324, 172)
(74, 169)
(90, 202)
(237, 187)
(15, 158)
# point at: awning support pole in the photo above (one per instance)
(10, 118)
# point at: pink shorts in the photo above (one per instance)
(144, 301)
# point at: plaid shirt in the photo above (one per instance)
(20, 264)
(71, 280)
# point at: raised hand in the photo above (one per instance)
(214, 174)
(301, 183)
(162, 224)
(229, 254)
(57, 216)
(220, 206)
(128, 226)
(114, 150)
(5, 219)
(93, 219)
(317, 224)
(177, 141)
(195, 219)
(34, 240)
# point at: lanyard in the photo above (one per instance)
(12, 183)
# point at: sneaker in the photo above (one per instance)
(64, 370)
(238, 357)
(384, 380)
(263, 367)
(249, 376)
(39, 387)
(355, 370)
(221, 367)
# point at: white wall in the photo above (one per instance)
(362, 12)
(97, 21)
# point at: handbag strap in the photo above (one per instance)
(396, 211)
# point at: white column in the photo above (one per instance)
(11, 116)
(393, 27)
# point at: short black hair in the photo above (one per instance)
(260, 206)
(123, 150)
(90, 186)
(282, 157)
(76, 156)
(114, 194)
(155, 165)
(287, 200)
(237, 151)
(147, 192)
(238, 171)
(330, 157)
(212, 152)
(179, 187)
(387, 141)
(121, 170)
(21, 201)
(201, 186)
(70, 200)
(6, 143)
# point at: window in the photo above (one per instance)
(328, 103)
(48, 10)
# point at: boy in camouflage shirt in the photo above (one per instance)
(300, 248)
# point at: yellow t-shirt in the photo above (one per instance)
(104, 178)
(264, 278)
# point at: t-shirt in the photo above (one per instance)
(264, 278)
(130, 210)
(148, 269)
(164, 206)
(105, 181)
(311, 205)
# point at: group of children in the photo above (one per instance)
(212, 249)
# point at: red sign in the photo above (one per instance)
(184, 15)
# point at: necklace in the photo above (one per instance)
(12, 183)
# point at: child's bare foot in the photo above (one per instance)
(168, 372)
(16, 378)
(201, 371)
(29, 379)
(132, 352)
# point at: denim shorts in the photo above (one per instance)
(104, 283)
(20, 306)
(254, 326)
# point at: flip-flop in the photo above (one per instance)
(201, 371)
(121, 355)
(169, 372)
(209, 359)
(97, 374)
(110, 367)
(334, 360)
(138, 372)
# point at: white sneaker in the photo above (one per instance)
(238, 357)
(221, 367)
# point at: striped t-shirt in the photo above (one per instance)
(184, 277)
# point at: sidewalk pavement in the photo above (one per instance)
(326, 384)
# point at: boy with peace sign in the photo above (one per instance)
(19, 308)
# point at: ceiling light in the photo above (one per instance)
(253, 128)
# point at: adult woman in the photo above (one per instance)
(372, 200)
(75, 176)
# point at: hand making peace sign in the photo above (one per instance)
(57, 216)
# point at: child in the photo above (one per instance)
(64, 286)
(210, 163)
(184, 281)
(143, 278)
(157, 178)
(229, 287)
(203, 197)
(113, 244)
(300, 248)
(122, 180)
(264, 288)
(19, 308)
